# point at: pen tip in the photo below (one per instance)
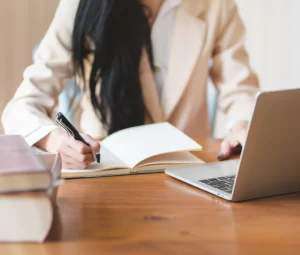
(98, 157)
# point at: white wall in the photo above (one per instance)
(22, 25)
(273, 42)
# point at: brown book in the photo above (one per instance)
(28, 216)
(20, 168)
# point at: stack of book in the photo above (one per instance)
(28, 187)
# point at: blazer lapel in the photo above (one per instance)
(149, 90)
(188, 37)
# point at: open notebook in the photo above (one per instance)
(142, 149)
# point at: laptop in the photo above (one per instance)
(270, 160)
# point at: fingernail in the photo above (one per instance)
(235, 144)
(220, 156)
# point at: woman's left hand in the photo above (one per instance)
(234, 141)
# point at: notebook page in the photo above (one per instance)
(108, 161)
(174, 158)
(135, 144)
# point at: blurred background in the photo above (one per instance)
(273, 40)
(273, 28)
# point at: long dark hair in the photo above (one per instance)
(119, 30)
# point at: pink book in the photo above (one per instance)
(20, 168)
(28, 216)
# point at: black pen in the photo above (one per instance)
(72, 131)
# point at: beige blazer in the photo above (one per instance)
(203, 30)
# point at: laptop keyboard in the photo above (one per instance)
(222, 183)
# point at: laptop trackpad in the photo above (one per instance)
(207, 171)
(219, 169)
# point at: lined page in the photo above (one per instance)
(135, 144)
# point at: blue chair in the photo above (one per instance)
(212, 103)
(70, 93)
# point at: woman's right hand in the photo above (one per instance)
(75, 154)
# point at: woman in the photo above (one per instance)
(136, 61)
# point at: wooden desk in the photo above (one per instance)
(156, 214)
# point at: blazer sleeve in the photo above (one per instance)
(30, 110)
(231, 73)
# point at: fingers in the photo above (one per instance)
(75, 159)
(226, 148)
(75, 154)
(95, 146)
(229, 148)
(78, 146)
(232, 144)
(72, 163)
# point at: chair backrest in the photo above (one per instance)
(70, 92)
(212, 101)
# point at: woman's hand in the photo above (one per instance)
(234, 141)
(75, 154)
